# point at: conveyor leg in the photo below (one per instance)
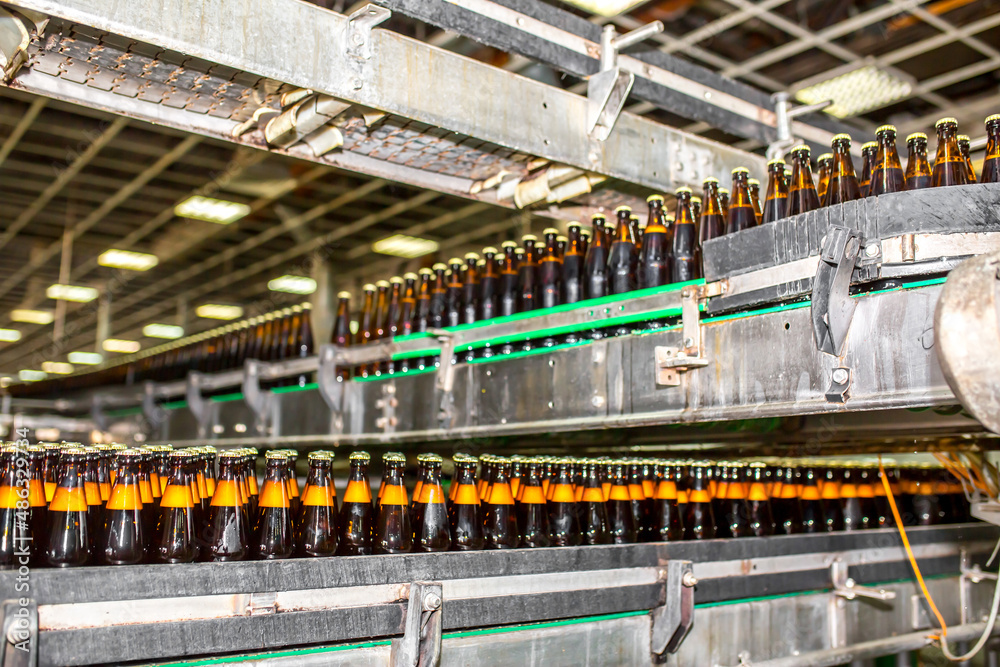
(420, 645)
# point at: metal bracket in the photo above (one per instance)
(420, 645)
(256, 398)
(262, 604)
(608, 89)
(150, 411)
(331, 387)
(388, 403)
(840, 386)
(845, 587)
(97, 412)
(671, 361)
(673, 620)
(20, 633)
(14, 39)
(832, 306)
(445, 380)
(196, 402)
(359, 29)
(784, 112)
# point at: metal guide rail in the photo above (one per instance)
(107, 614)
(347, 94)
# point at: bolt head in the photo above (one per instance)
(689, 580)
(840, 376)
(871, 250)
(689, 342)
(432, 601)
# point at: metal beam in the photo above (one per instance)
(411, 79)
(22, 126)
(64, 177)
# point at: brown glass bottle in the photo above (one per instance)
(431, 531)
(699, 520)
(824, 168)
(621, 519)
(527, 276)
(734, 519)
(593, 512)
(869, 150)
(741, 214)
(292, 481)
(926, 505)
(501, 526)
(51, 469)
(843, 184)
(595, 279)
(810, 502)
(407, 305)
(785, 504)
(564, 525)
(758, 503)
(754, 186)
(852, 511)
(453, 294)
(776, 201)
(15, 535)
(657, 247)
(489, 286)
(356, 519)
(227, 535)
(437, 316)
(466, 516)
(623, 256)
(532, 514)
(964, 147)
(712, 223)
(272, 534)
(830, 493)
(507, 296)
(949, 165)
(316, 530)
(69, 535)
(667, 522)
(918, 170)
(392, 533)
(175, 537)
(685, 264)
(642, 506)
(122, 539)
(802, 195)
(422, 317)
(342, 326)
(550, 271)
(95, 506)
(38, 512)
(887, 172)
(573, 265)
(991, 162)
(724, 202)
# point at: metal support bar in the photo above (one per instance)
(331, 387)
(256, 398)
(847, 588)
(608, 89)
(420, 645)
(673, 620)
(196, 402)
(784, 112)
(19, 646)
(670, 361)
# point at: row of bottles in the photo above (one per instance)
(108, 505)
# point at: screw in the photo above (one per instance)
(552, 363)
(597, 401)
(689, 580)
(689, 342)
(551, 405)
(432, 601)
(840, 375)
(357, 83)
(871, 250)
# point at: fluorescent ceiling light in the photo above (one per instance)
(292, 285)
(9, 335)
(208, 209)
(119, 345)
(86, 358)
(218, 311)
(127, 259)
(857, 91)
(57, 367)
(77, 293)
(170, 331)
(604, 7)
(32, 316)
(31, 376)
(354, 326)
(402, 245)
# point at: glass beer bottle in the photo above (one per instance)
(123, 537)
(824, 168)
(272, 534)
(887, 172)
(227, 533)
(501, 525)
(991, 162)
(776, 200)
(356, 515)
(392, 534)
(657, 247)
(869, 150)
(430, 518)
(316, 530)
(802, 195)
(685, 265)
(918, 170)
(965, 147)
(949, 165)
(532, 515)
(69, 536)
(843, 184)
(623, 257)
(466, 516)
(175, 537)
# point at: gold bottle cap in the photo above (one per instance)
(551, 230)
(710, 179)
(320, 456)
(885, 128)
(343, 295)
(368, 288)
(753, 181)
(825, 156)
(597, 216)
(425, 272)
(382, 284)
(518, 250)
(360, 456)
(562, 239)
(472, 255)
(964, 137)
(740, 170)
(841, 137)
(409, 275)
(394, 457)
(723, 191)
(695, 199)
(869, 144)
(489, 250)
(945, 121)
(529, 237)
(429, 458)
(395, 280)
(455, 260)
(481, 262)
(509, 244)
(800, 147)
(994, 117)
(610, 226)
(652, 198)
(683, 190)
(440, 267)
(916, 135)
(623, 208)
(776, 160)
(276, 454)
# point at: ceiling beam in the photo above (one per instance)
(22, 126)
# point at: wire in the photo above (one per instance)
(943, 639)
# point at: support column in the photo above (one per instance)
(324, 299)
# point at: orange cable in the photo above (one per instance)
(909, 551)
